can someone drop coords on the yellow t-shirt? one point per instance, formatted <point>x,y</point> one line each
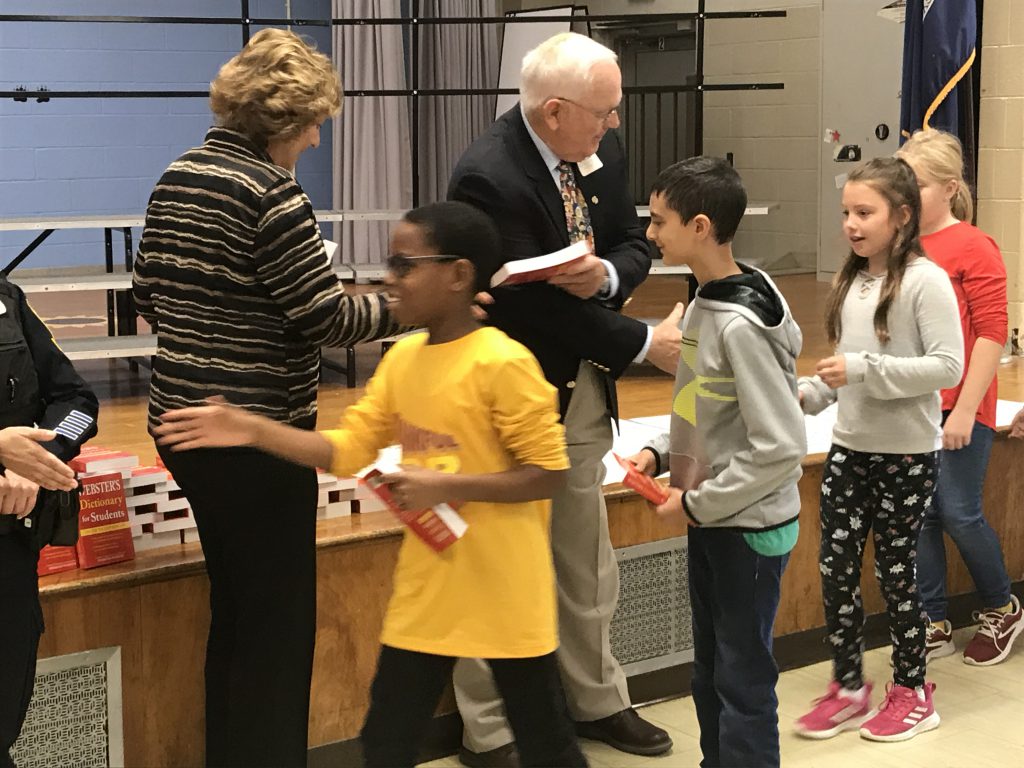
<point>475,405</point>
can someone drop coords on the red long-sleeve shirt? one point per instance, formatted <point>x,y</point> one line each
<point>975,267</point>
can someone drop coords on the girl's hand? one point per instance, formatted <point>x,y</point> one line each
<point>832,371</point>
<point>1017,425</point>
<point>673,508</point>
<point>217,425</point>
<point>956,433</point>
<point>418,488</point>
<point>643,461</point>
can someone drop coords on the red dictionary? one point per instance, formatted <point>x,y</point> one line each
<point>97,459</point>
<point>439,527</point>
<point>643,484</point>
<point>56,559</point>
<point>105,534</point>
<point>540,267</point>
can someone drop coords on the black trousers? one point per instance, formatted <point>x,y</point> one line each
<point>256,516</point>
<point>21,624</point>
<point>408,685</point>
<point>886,496</point>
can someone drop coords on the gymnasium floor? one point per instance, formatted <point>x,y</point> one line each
<point>644,391</point>
<point>980,710</point>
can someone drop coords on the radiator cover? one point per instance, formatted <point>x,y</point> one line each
<point>75,715</point>
<point>651,627</point>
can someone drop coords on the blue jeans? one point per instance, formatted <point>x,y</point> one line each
<point>734,594</point>
<point>956,509</point>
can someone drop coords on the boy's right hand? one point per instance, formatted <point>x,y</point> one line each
<point>643,461</point>
<point>217,425</point>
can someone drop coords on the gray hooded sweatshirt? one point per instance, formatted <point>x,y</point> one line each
<point>737,434</point>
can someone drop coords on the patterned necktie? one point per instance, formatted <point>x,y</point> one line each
<point>577,217</point>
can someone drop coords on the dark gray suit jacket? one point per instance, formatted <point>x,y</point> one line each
<point>503,174</point>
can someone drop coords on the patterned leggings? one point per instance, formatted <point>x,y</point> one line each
<point>887,494</point>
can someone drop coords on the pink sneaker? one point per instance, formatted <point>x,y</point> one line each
<point>904,713</point>
<point>994,639</point>
<point>837,711</point>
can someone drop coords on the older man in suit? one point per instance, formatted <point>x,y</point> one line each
<point>550,173</point>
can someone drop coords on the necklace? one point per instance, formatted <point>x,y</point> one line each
<point>867,282</point>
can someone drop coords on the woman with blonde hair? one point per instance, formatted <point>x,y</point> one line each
<point>232,272</point>
<point>976,269</point>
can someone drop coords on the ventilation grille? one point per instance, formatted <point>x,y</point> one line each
<point>651,627</point>
<point>75,715</point>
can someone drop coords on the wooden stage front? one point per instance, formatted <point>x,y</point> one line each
<point>156,608</point>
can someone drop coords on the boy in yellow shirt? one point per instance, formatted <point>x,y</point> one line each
<point>478,425</point>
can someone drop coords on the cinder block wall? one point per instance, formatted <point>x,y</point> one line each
<point>103,156</point>
<point>773,135</point>
<point>1001,141</point>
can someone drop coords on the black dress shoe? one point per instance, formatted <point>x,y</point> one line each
<point>627,732</point>
<point>502,757</point>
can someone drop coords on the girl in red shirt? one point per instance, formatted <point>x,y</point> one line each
<point>976,269</point>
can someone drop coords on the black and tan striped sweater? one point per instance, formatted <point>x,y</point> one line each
<point>232,269</point>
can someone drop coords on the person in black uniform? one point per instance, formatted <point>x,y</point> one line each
<point>38,386</point>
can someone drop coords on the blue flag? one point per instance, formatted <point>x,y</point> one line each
<point>938,51</point>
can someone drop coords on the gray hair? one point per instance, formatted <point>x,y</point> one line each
<point>561,64</point>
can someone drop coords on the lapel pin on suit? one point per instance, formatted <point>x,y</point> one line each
<point>594,199</point>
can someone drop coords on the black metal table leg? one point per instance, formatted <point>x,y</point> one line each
<point>108,244</point>
<point>129,316</point>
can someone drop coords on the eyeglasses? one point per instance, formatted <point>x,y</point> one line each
<point>604,115</point>
<point>401,264</point>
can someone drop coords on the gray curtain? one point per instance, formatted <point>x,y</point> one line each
<point>373,138</point>
<point>454,56</point>
<point>373,169</point>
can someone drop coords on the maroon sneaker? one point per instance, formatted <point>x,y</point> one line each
<point>939,642</point>
<point>995,636</point>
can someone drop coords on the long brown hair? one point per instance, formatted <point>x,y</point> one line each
<point>894,180</point>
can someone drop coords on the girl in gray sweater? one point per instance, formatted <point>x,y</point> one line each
<point>892,317</point>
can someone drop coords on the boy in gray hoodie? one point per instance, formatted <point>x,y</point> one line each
<point>734,450</point>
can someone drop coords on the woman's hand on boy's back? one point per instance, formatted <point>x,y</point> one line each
<point>832,371</point>
<point>216,425</point>
<point>480,301</point>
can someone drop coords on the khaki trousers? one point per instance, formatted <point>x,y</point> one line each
<point>588,586</point>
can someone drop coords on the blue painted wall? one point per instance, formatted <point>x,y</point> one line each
<point>97,156</point>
